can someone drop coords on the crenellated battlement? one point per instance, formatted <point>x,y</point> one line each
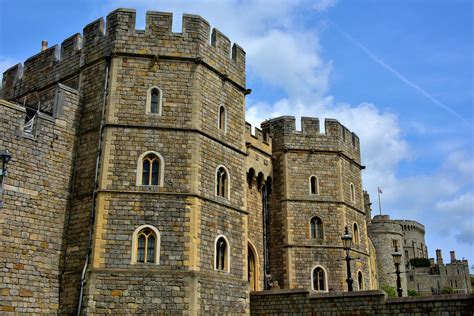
<point>259,140</point>
<point>336,137</point>
<point>410,225</point>
<point>118,35</point>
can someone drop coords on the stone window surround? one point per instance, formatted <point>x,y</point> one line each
<point>359,287</point>
<point>224,128</point>
<point>227,254</point>
<point>326,288</point>
<point>356,233</point>
<point>148,101</point>
<point>135,244</point>
<point>140,169</point>
<point>317,185</point>
<point>227,189</point>
<point>352,191</point>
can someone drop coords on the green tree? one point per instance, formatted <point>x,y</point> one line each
<point>413,293</point>
<point>390,290</point>
<point>448,290</point>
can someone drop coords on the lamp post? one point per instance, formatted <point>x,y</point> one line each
<point>346,244</point>
<point>397,260</point>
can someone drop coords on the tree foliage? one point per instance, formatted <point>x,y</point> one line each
<point>420,262</point>
<point>390,290</point>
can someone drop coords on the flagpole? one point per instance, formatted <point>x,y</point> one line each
<point>380,205</point>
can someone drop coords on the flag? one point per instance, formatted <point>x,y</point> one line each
<point>380,190</point>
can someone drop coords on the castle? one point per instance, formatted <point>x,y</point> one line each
<point>136,186</point>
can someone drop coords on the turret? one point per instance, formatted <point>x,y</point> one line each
<point>367,206</point>
<point>453,256</point>
<point>336,137</point>
<point>119,37</point>
<point>439,257</point>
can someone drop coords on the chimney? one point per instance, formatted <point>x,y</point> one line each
<point>453,256</point>
<point>439,257</point>
<point>44,45</point>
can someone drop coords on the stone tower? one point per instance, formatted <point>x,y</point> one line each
<point>317,191</point>
<point>162,116</point>
<point>387,237</point>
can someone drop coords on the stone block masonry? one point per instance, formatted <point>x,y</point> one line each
<point>36,195</point>
<point>302,302</point>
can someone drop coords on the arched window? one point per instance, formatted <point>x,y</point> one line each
<point>150,169</point>
<point>313,185</point>
<point>222,119</point>
<point>221,254</point>
<point>146,245</point>
<point>153,100</point>
<point>222,182</point>
<point>318,276</point>
<point>356,234</point>
<point>353,196</point>
<point>360,281</point>
<point>316,228</point>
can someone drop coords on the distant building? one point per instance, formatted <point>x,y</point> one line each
<point>426,277</point>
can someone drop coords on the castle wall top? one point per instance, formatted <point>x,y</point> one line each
<point>260,140</point>
<point>119,36</point>
<point>382,224</point>
<point>411,225</point>
<point>336,137</point>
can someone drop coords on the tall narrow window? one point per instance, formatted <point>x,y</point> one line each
<point>316,228</point>
<point>353,197</point>
<point>151,170</point>
<point>222,118</point>
<point>146,246</point>
<point>154,100</point>
<point>360,280</point>
<point>155,95</point>
<point>395,245</point>
<point>356,234</point>
<point>319,279</point>
<point>222,182</point>
<point>314,185</point>
<point>221,254</point>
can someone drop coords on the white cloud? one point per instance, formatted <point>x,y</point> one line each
<point>324,4</point>
<point>289,61</point>
<point>462,205</point>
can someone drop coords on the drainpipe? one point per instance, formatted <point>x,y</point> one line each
<point>266,280</point>
<point>96,187</point>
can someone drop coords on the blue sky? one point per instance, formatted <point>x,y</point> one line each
<point>398,73</point>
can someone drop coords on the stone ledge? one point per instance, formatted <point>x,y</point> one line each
<point>433,298</point>
<point>280,292</point>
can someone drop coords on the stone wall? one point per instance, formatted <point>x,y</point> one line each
<point>36,196</point>
<point>302,302</point>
